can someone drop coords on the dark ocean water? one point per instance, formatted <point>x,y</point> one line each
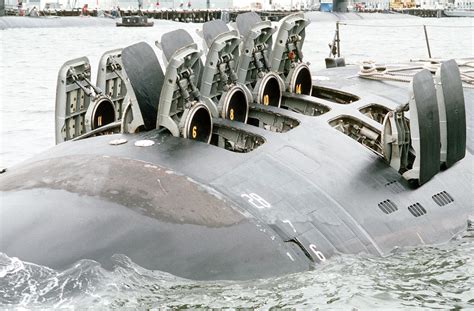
<point>427,277</point>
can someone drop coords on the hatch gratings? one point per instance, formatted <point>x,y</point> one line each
<point>417,209</point>
<point>395,186</point>
<point>388,207</point>
<point>443,198</point>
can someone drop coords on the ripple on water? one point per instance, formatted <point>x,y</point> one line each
<point>429,277</point>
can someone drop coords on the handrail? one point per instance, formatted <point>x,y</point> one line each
<point>335,46</point>
<point>402,26</point>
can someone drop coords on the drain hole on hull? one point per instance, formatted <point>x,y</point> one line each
<point>388,207</point>
<point>335,96</point>
<point>417,210</point>
<point>375,112</point>
<point>443,198</point>
<point>234,139</point>
<point>395,186</point>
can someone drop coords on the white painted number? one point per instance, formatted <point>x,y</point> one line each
<point>256,200</point>
<point>317,253</point>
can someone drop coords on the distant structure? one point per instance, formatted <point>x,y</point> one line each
<point>464,4</point>
<point>169,4</point>
<point>123,4</point>
<point>340,5</point>
<point>314,5</point>
<point>401,4</point>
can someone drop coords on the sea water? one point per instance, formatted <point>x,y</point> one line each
<point>415,278</point>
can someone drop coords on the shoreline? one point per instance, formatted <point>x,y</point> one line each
<point>13,22</point>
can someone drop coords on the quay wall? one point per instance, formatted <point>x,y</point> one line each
<point>68,19</point>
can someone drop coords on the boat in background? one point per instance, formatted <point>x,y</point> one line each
<point>135,21</point>
<point>459,13</point>
<point>459,9</point>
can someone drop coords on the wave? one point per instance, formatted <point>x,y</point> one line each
<point>24,284</point>
<point>426,277</point>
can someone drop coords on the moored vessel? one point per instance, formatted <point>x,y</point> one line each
<point>135,21</point>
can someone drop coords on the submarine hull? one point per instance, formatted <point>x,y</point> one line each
<point>203,212</point>
<point>59,210</point>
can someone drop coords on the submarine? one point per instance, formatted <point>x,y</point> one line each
<point>236,161</point>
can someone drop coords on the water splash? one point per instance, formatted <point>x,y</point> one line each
<point>427,277</point>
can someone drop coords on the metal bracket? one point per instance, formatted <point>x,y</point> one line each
<point>72,99</point>
<point>219,79</point>
<point>181,108</point>
<point>111,79</point>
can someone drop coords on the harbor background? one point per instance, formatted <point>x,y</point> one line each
<point>51,6</point>
<point>428,277</point>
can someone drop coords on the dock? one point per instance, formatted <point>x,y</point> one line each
<point>185,16</point>
<point>420,12</point>
<point>205,15</point>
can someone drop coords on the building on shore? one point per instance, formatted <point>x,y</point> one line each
<point>166,4</point>
<point>402,4</point>
<point>372,4</point>
<point>463,4</point>
<point>11,4</point>
<point>433,4</point>
<point>323,5</point>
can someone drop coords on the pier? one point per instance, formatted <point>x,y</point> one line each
<point>205,15</point>
<point>421,12</point>
<point>186,16</point>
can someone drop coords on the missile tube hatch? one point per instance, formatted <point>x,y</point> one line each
<point>219,79</point>
<point>181,109</point>
<point>80,106</point>
<point>110,78</point>
<point>254,68</point>
<point>287,55</point>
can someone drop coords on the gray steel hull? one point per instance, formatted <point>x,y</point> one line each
<point>202,212</point>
